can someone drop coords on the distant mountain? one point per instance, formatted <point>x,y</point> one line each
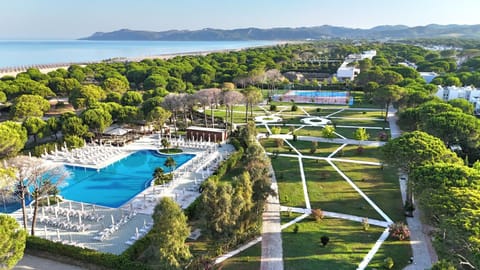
<point>301,33</point>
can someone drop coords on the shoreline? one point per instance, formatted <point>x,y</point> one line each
<point>45,68</point>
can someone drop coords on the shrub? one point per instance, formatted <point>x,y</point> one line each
<point>294,137</point>
<point>296,228</point>
<point>360,150</point>
<point>443,265</point>
<point>273,108</point>
<point>40,149</point>
<point>399,230</point>
<point>236,143</point>
<point>388,263</point>
<point>294,108</point>
<point>317,214</point>
<point>84,255</point>
<point>365,224</point>
<point>279,142</point>
<point>276,130</point>
<point>74,141</point>
<point>324,239</point>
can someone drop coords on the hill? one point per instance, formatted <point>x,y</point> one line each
<point>301,33</point>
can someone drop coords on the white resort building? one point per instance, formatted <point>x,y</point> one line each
<point>347,70</point>
<point>466,92</point>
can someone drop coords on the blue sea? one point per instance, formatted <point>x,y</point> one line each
<point>27,53</point>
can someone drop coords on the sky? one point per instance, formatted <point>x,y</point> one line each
<point>72,19</point>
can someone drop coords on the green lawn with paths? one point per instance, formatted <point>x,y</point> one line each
<point>323,149</point>
<point>245,260</point>
<point>287,173</point>
<point>369,153</point>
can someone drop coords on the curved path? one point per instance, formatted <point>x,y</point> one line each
<point>423,252</point>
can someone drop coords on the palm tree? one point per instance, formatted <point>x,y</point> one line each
<point>165,143</point>
<point>170,163</point>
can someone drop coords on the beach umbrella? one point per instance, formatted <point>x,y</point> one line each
<point>48,200</point>
<point>145,200</point>
<point>70,237</point>
<point>45,231</point>
<point>56,212</point>
<point>68,216</point>
<point>79,219</point>
<point>43,212</point>
<point>113,219</point>
<point>70,205</point>
<point>137,235</point>
<point>93,205</point>
<point>81,205</point>
<point>58,235</point>
<point>144,223</point>
<point>131,207</point>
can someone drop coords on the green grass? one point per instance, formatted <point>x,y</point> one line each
<point>284,129</point>
<point>399,251</point>
<point>359,122</point>
<point>349,243</point>
<point>245,260</point>
<point>323,149</point>
<point>369,153</point>
<point>361,114</point>
<point>330,192</point>
<point>170,151</point>
<point>270,145</point>
<point>310,131</point>
<point>287,173</point>
<point>349,133</point>
<point>381,186</point>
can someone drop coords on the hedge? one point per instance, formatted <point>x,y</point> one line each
<point>88,256</point>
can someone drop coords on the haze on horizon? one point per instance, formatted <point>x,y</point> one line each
<point>69,19</point>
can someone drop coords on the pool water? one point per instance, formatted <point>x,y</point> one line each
<point>117,183</point>
<point>318,93</point>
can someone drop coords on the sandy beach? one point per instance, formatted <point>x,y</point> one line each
<point>45,68</point>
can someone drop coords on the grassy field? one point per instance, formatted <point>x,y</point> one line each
<point>380,185</point>
<point>349,133</point>
<point>359,122</point>
<point>330,192</point>
<point>369,153</point>
<point>271,146</point>
<point>310,131</point>
<point>323,149</point>
<point>348,244</point>
<point>245,260</point>
<point>361,114</point>
<point>289,182</point>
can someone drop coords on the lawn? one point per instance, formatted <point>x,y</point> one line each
<point>328,191</point>
<point>310,131</point>
<point>290,190</point>
<point>369,153</point>
<point>399,251</point>
<point>349,133</point>
<point>284,129</point>
<point>270,145</point>
<point>323,149</point>
<point>380,185</point>
<point>245,260</point>
<point>361,114</point>
<point>348,244</point>
<point>358,122</point>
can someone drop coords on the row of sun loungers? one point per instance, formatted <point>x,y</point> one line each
<point>62,224</point>
<point>74,213</point>
<point>139,233</point>
<point>107,232</point>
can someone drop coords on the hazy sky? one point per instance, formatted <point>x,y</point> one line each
<point>70,19</point>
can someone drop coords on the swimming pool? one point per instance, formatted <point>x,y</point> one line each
<point>117,183</point>
<point>318,93</point>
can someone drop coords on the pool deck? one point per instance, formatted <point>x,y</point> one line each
<point>121,226</point>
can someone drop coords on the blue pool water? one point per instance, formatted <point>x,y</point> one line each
<point>318,93</point>
<point>116,184</point>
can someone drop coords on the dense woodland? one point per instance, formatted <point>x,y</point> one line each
<point>446,183</point>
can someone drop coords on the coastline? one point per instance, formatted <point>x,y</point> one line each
<point>45,68</point>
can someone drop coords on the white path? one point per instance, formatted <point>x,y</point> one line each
<point>423,252</point>
<point>272,248</point>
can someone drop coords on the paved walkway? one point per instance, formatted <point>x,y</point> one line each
<point>423,252</point>
<point>272,248</point>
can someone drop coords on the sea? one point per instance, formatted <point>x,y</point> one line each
<point>23,53</point>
